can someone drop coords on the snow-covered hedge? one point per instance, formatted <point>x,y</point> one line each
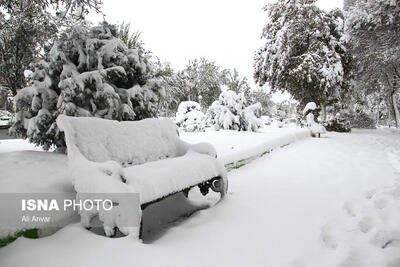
<point>229,112</point>
<point>90,72</point>
<point>189,117</point>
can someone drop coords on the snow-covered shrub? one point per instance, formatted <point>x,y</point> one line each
<point>89,72</point>
<point>338,125</point>
<point>230,113</point>
<point>224,112</point>
<point>250,118</point>
<point>189,117</point>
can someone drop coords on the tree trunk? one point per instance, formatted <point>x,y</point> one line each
<point>395,110</point>
<point>378,113</point>
<point>323,110</point>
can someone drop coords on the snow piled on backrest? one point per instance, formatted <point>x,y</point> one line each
<point>128,142</point>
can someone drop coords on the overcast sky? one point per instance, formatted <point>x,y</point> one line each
<point>225,31</point>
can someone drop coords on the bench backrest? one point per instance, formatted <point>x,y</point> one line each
<point>128,142</point>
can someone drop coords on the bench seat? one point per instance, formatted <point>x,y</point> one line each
<point>157,179</point>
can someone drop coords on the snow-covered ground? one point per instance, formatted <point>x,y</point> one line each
<point>34,172</point>
<point>333,201</point>
<point>12,145</point>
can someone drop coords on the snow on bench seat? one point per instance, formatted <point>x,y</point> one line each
<point>157,178</point>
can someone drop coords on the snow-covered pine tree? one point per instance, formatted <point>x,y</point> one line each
<point>250,118</point>
<point>229,112</point>
<point>189,117</point>
<point>90,72</point>
<point>28,29</point>
<point>304,52</point>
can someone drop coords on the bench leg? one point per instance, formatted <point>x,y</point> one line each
<point>219,186</point>
<point>141,229</point>
<point>186,192</point>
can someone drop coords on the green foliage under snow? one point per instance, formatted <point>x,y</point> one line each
<point>90,72</point>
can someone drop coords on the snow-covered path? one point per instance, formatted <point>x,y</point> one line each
<point>332,201</point>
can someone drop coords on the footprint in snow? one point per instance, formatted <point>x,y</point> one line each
<point>394,263</point>
<point>366,224</point>
<point>381,203</point>
<point>327,237</point>
<point>394,192</point>
<point>296,263</point>
<point>370,194</point>
<point>355,258</point>
<point>350,208</point>
<point>384,239</point>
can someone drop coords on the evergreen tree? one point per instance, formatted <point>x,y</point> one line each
<point>304,52</point>
<point>27,29</point>
<point>132,40</point>
<point>89,72</point>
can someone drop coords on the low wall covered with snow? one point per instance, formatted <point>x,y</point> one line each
<point>235,148</point>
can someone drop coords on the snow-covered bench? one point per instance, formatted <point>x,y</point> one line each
<point>145,157</point>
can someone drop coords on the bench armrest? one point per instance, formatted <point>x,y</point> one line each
<point>104,179</point>
<point>203,148</point>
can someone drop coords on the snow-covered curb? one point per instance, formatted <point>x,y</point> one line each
<point>267,146</point>
<point>236,148</point>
